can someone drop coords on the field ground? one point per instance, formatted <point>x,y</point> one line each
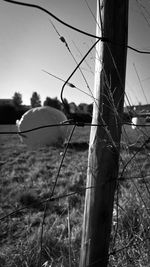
<point>27,178</point>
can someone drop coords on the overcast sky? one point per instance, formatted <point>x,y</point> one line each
<point>29,43</point>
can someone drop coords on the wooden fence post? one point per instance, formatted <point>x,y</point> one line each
<point>105,140</point>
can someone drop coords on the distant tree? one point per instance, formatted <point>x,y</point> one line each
<point>17,99</point>
<point>90,108</point>
<point>21,111</point>
<point>73,107</point>
<point>35,100</point>
<point>66,107</point>
<point>8,114</point>
<point>80,117</point>
<point>82,107</point>
<point>52,102</point>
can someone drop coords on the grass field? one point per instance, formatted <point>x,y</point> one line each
<point>27,178</point>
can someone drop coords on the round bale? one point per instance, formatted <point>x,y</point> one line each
<point>42,116</point>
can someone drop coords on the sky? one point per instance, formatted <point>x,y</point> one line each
<point>29,44</point>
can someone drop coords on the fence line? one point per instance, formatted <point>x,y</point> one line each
<point>69,123</point>
<point>120,237</point>
<point>53,198</point>
<point>103,39</point>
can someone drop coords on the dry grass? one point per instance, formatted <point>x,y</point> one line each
<point>27,178</point>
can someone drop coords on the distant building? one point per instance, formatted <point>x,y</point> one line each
<point>142,108</point>
<point>138,112</point>
<point>138,108</point>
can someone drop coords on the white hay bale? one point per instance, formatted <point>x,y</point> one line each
<point>137,122</point>
<point>42,116</point>
<point>134,122</point>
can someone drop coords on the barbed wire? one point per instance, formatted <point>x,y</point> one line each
<point>68,84</point>
<point>55,198</point>
<point>53,190</point>
<point>103,39</point>
<point>134,155</point>
<point>69,123</point>
<point>58,197</point>
<point>56,18</point>
<point>62,39</point>
<point>50,199</point>
<point>73,72</point>
<point>121,177</point>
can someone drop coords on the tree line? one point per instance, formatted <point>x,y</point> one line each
<point>12,111</point>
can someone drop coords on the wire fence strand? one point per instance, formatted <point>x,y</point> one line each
<point>130,237</point>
